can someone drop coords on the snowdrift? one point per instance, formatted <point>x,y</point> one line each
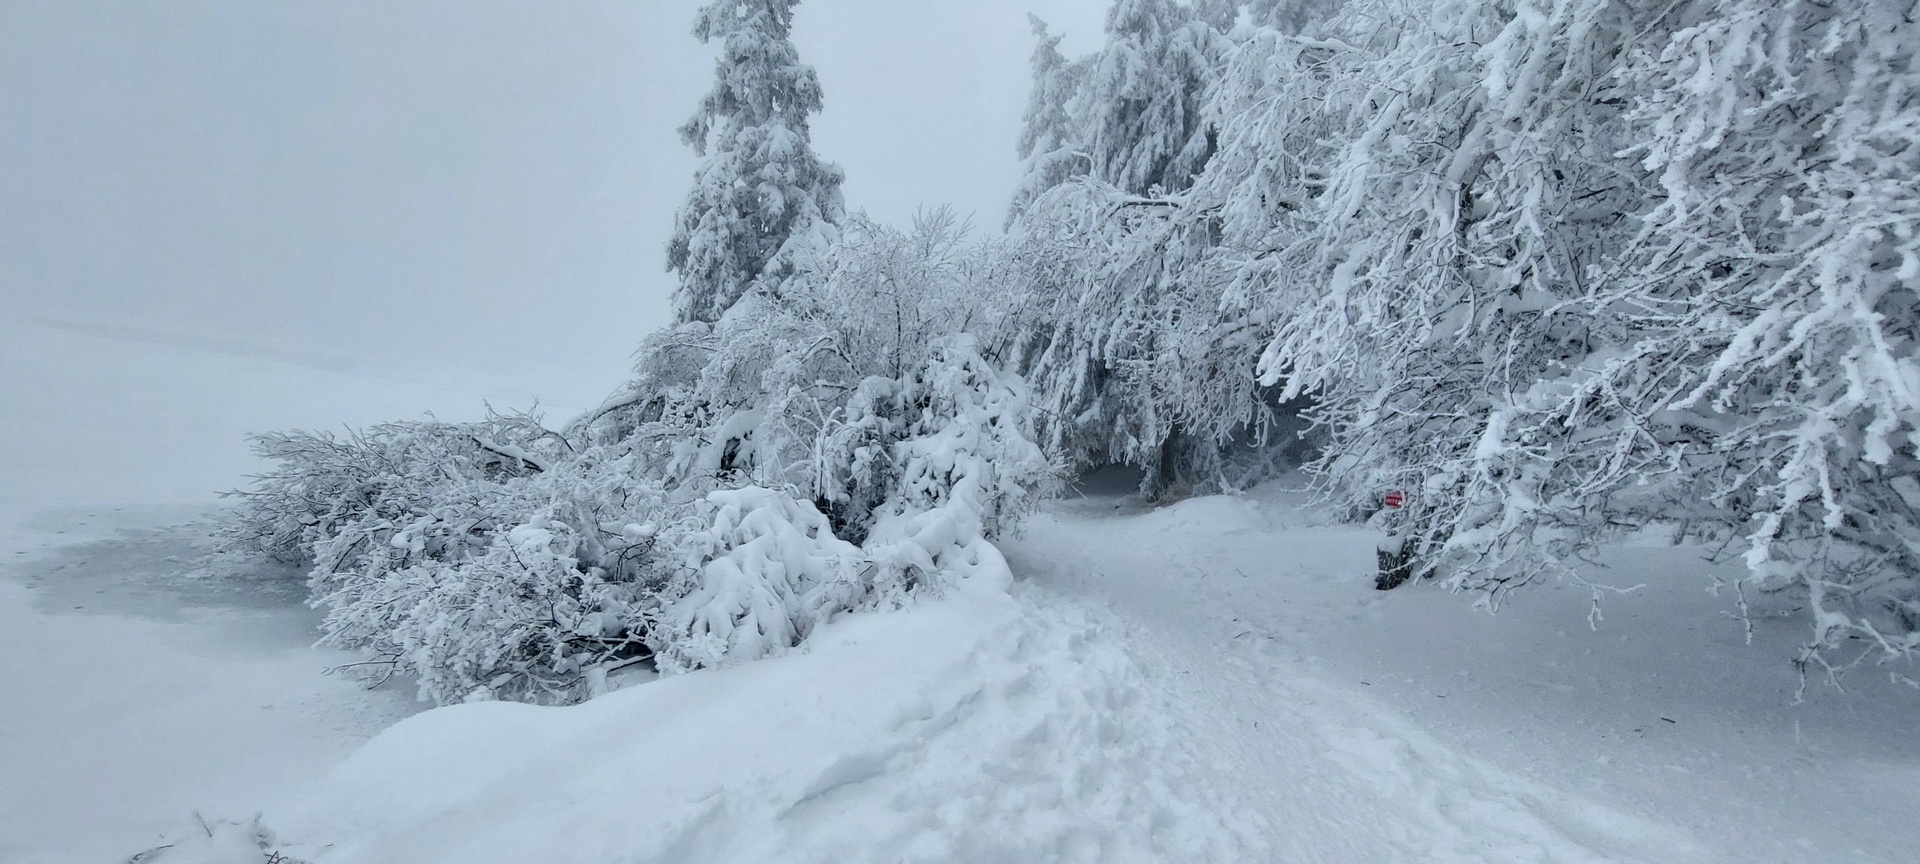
<point>972,728</point>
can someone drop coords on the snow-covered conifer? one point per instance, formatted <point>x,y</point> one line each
<point>1146,128</point>
<point>1126,348</point>
<point>1291,17</point>
<point>754,581</point>
<point>762,202</point>
<point>1050,137</point>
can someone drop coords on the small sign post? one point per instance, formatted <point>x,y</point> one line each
<point>1396,560</point>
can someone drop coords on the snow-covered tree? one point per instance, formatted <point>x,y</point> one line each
<point>967,468</point>
<point>1291,17</point>
<point>1145,127</point>
<point>1130,355</point>
<point>484,558</point>
<point>1564,268</point>
<point>1784,257</point>
<point>1050,145</point>
<point>1131,115</point>
<point>1468,192</point>
<point>762,202</point>
<point>1125,343</point>
<point>1555,270</point>
<point>847,450</point>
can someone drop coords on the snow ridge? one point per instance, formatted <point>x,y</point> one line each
<point>977,727</point>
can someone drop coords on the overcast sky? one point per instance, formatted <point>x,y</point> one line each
<point>466,186</point>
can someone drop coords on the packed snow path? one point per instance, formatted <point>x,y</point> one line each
<point>1329,776</point>
<point>1368,726</point>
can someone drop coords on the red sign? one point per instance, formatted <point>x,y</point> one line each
<point>1394,499</point>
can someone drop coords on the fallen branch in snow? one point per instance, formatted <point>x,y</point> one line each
<point>526,460</point>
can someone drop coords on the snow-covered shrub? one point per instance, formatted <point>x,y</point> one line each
<point>478,557</point>
<point>845,447</point>
<point>525,619</point>
<point>522,590</point>
<point>968,468</point>
<point>967,443</point>
<point>805,388</point>
<point>217,841</point>
<point>321,482</point>
<point>959,469</point>
<point>922,472</point>
<point>669,366</point>
<point>823,422</point>
<point>764,573</point>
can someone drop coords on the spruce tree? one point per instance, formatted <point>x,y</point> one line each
<point>761,199</point>
<point>1146,96</point>
<point>1050,136</point>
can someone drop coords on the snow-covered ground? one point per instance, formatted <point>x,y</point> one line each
<point>135,690</point>
<point>1212,681</point>
<point>1209,681</point>
<point>1410,726</point>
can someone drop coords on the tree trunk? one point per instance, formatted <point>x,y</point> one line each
<point>1396,563</point>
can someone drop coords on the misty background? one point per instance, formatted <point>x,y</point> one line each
<point>473,191</point>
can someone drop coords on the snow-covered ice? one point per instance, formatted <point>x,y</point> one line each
<point>137,690</point>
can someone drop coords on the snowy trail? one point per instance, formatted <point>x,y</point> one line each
<point>1337,776</point>
<point>981,727</point>
<point>1161,686</point>
<point>1369,727</point>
